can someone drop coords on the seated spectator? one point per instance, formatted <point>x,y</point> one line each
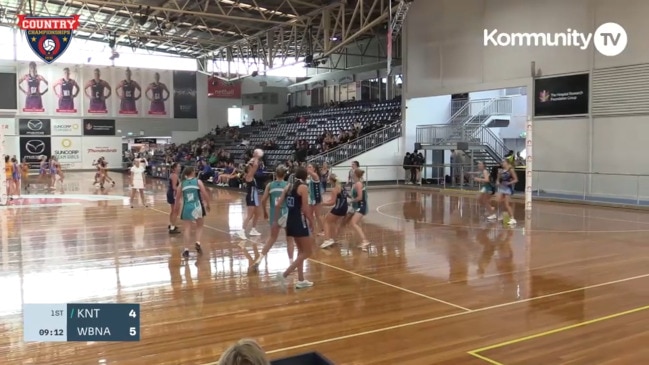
<point>227,174</point>
<point>205,171</point>
<point>244,352</point>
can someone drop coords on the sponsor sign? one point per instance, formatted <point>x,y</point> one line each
<point>110,148</point>
<point>98,127</point>
<point>34,127</point>
<point>67,150</point>
<point>563,95</point>
<point>66,127</point>
<point>33,148</point>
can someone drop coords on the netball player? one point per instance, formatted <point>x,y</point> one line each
<point>43,169</point>
<point>332,223</point>
<point>315,194</point>
<point>486,190</point>
<point>15,176</point>
<point>172,191</point>
<point>298,220</point>
<point>324,175</point>
<point>24,172</point>
<point>54,178</point>
<point>350,177</point>
<point>252,196</point>
<point>273,193</point>
<point>128,91</point>
<point>34,98</point>
<point>157,93</point>
<point>507,179</point>
<point>137,180</point>
<point>193,205</point>
<point>66,89</point>
<point>359,206</point>
<point>9,176</point>
<point>97,90</point>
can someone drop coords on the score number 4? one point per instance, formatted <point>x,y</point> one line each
<point>132,331</point>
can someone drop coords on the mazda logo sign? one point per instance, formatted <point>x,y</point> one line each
<point>35,147</point>
<point>35,125</point>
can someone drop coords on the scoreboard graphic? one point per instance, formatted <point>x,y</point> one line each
<point>81,322</point>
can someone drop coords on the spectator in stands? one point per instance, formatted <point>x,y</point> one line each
<point>227,174</point>
<point>244,352</point>
<point>205,171</point>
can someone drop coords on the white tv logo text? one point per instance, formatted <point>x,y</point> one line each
<point>610,39</point>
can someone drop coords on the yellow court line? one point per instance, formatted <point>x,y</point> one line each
<point>476,352</point>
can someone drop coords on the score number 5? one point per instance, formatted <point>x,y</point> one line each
<point>132,331</point>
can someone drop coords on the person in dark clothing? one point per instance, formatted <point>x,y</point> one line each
<point>407,162</point>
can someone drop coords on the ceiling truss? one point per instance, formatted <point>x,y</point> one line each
<point>266,33</point>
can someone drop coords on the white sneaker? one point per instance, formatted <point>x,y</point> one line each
<point>327,243</point>
<point>303,284</point>
<point>254,232</point>
<point>241,235</point>
<point>512,222</point>
<point>492,217</point>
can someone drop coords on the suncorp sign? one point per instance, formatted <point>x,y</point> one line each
<point>610,39</point>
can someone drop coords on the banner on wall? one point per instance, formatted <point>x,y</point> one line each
<point>221,89</point>
<point>185,95</point>
<point>562,95</point>
<point>110,148</point>
<point>66,127</point>
<point>33,91</point>
<point>157,92</point>
<point>33,148</point>
<point>128,91</point>
<point>8,126</point>
<point>97,90</point>
<point>67,150</point>
<point>66,90</point>
<point>99,127</point>
<point>34,127</point>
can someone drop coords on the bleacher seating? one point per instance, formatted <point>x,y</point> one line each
<point>286,128</point>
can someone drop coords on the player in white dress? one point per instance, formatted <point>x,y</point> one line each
<point>137,180</point>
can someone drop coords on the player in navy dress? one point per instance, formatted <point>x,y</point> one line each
<point>338,202</point>
<point>253,206</point>
<point>34,95</point>
<point>172,190</point>
<point>98,90</point>
<point>66,89</point>
<point>157,93</point>
<point>507,179</point>
<point>359,206</point>
<point>129,91</point>
<point>298,220</point>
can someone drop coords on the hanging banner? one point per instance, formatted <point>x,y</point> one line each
<point>185,100</point>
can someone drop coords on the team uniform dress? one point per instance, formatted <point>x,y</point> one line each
<point>341,207</point>
<point>43,168</point>
<point>488,187</point>
<point>504,189</point>
<point>97,99</point>
<point>9,170</point>
<point>34,100</point>
<point>127,104</point>
<point>275,191</point>
<point>296,223</point>
<point>16,173</point>
<point>315,194</point>
<point>66,102</point>
<point>138,177</point>
<point>361,205</point>
<point>252,194</point>
<point>157,104</point>
<point>171,197</point>
<point>192,205</point>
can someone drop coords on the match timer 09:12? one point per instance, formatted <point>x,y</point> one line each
<point>81,322</point>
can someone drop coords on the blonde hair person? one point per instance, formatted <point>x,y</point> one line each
<point>244,352</point>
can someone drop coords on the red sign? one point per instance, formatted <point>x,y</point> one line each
<point>217,88</point>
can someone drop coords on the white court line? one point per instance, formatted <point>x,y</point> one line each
<point>434,319</point>
<point>30,206</point>
<point>451,226</point>
<point>350,272</point>
<point>391,285</point>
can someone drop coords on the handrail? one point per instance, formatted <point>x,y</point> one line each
<point>345,147</point>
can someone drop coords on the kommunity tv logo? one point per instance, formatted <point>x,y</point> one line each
<point>610,39</point>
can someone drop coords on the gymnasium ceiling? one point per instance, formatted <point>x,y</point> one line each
<point>218,29</point>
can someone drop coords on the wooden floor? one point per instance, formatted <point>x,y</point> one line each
<point>438,286</point>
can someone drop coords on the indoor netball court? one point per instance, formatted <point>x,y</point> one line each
<point>438,286</point>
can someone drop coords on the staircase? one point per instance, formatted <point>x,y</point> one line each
<point>358,146</point>
<point>470,123</point>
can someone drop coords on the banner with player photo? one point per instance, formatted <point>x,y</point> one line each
<point>34,89</point>
<point>68,151</point>
<point>98,91</point>
<point>66,94</point>
<point>32,149</point>
<point>157,86</point>
<point>128,92</point>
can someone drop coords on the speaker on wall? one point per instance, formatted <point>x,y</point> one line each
<point>463,146</point>
<point>417,146</point>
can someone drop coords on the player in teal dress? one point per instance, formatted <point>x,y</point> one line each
<point>315,195</point>
<point>194,205</point>
<point>359,206</point>
<point>487,189</point>
<point>277,216</point>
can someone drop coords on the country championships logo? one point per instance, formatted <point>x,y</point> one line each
<point>35,147</point>
<point>48,37</point>
<point>610,39</point>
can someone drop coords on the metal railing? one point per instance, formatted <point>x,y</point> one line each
<point>481,110</point>
<point>571,186</point>
<point>448,135</point>
<point>360,145</point>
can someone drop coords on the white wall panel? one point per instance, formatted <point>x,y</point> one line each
<point>561,145</point>
<point>422,111</point>
<point>632,15</point>
<point>380,164</point>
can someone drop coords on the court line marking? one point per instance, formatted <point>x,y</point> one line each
<point>434,319</point>
<point>476,353</point>
<point>391,285</point>
<point>452,226</point>
<point>352,273</point>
